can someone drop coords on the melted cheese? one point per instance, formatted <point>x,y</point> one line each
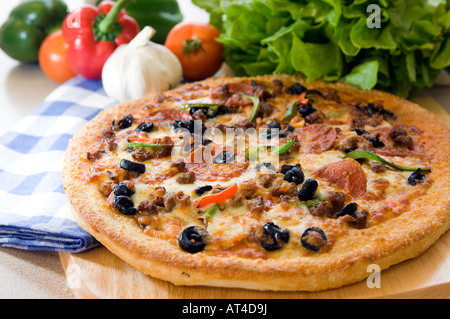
<point>231,226</point>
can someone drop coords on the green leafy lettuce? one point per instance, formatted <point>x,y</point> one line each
<point>332,40</point>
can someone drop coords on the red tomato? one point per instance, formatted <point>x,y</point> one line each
<point>196,47</point>
<point>52,58</point>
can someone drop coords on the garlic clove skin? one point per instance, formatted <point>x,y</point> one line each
<point>140,68</point>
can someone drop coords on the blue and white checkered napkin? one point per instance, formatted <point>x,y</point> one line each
<point>34,212</point>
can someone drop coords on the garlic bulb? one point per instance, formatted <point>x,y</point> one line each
<point>140,68</point>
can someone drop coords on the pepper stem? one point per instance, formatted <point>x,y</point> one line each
<point>192,45</point>
<point>108,22</point>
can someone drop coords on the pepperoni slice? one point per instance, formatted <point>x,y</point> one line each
<point>216,172</point>
<point>201,164</point>
<point>346,174</point>
<point>316,138</point>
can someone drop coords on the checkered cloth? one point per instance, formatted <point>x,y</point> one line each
<point>34,213</point>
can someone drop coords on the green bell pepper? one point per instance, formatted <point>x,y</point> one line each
<point>28,25</point>
<point>161,15</point>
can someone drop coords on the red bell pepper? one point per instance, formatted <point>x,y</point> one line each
<point>218,197</point>
<point>302,100</point>
<point>94,33</point>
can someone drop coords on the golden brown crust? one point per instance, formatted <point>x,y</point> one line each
<point>384,244</point>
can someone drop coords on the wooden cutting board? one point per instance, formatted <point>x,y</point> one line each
<point>100,274</point>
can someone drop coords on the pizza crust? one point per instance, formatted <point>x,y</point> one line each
<point>385,244</point>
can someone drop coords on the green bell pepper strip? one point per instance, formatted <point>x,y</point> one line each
<point>369,155</point>
<point>312,202</point>
<point>210,212</point>
<point>161,15</point>
<point>143,145</point>
<point>256,105</point>
<point>291,111</point>
<point>252,153</point>
<point>189,106</point>
<point>280,150</point>
<point>28,25</point>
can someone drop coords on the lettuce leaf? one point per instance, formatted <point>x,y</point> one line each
<point>363,75</point>
<point>331,40</point>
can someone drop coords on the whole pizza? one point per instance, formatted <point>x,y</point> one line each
<point>268,183</point>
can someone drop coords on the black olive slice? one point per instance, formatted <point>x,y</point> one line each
<point>266,165</point>
<point>371,109</point>
<point>368,110</point>
<point>177,125</point>
<point>221,110</point>
<point>350,209</point>
<point>375,141</point>
<point>194,109</point>
<point>313,238</point>
<point>203,189</point>
<point>273,237</point>
<point>274,129</point>
<point>273,133</point>
<point>388,115</point>
<point>294,175</point>
<point>308,190</point>
<point>268,243</point>
<point>276,231</point>
<point>125,122</point>
<point>125,205</point>
<point>193,239</point>
<point>317,92</point>
<point>132,166</point>
<point>287,167</point>
<point>416,176</point>
<point>145,127</point>
<point>122,189</point>
<point>224,157</point>
<point>360,131</point>
<point>306,109</point>
<point>274,124</point>
<point>192,126</point>
<point>209,112</point>
<point>297,88</point>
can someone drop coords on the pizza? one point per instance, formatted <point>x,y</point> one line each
<point>266,183</point>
